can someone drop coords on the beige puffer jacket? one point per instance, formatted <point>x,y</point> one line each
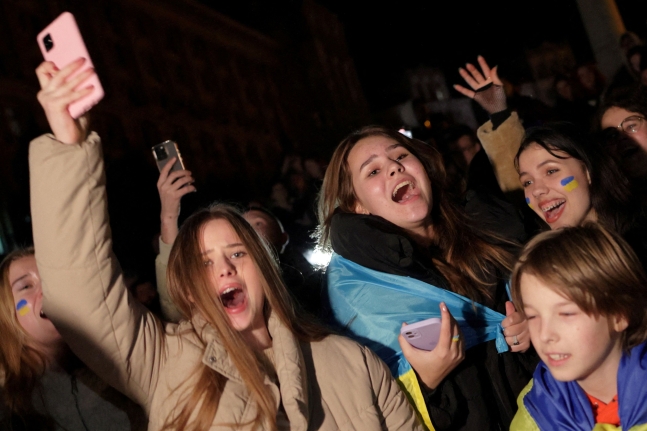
<point>335,384</point>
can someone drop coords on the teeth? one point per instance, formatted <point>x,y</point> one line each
<point>399,186</point>
<point>557,357</point>
<point>553,206</point>
<point>227,290</point>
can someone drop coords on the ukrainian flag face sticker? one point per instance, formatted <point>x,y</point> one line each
<point>569,183</point>
<point>528,203</point>
<point>22,307</point>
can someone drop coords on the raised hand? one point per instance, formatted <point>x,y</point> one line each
<point>485,86</point>
<point>171,187</point>
<point>433,366</point>
<point>56,94</point>
<point>515,329</point>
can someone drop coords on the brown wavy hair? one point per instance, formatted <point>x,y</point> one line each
<point>593,267</point>
<point>469,261</point>
<point>21,363</point>
<point>191,290</point>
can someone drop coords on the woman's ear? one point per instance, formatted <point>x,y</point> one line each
<point>588,176</point>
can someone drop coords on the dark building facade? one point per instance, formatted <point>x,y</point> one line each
<point>234,99</point>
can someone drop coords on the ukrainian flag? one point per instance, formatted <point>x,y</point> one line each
<point>371,306</point>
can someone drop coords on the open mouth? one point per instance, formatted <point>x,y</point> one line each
<point>553,211</point>
<point>402,192</point>
<point>232,297</point>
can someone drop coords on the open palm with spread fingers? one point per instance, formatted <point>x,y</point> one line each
<point>485,86</point>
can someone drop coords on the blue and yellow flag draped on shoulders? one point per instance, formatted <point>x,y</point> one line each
<point>548,404</point>
<point>371,306</point>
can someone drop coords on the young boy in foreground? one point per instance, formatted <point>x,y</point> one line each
<point>584,293</point>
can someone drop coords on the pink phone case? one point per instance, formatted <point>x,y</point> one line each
<point>61,43</point>
<point>422,335</point>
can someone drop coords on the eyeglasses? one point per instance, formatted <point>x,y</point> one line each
<point>631,124</point>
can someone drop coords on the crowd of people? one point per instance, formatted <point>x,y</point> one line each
<point>528,243</point>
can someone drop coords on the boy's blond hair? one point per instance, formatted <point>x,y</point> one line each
<point>594,268</point>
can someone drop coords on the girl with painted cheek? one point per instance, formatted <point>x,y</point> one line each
<point>568,179</point>
<point>556,186</point>
<point>43,382</point>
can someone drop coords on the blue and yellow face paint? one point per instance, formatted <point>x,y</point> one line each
<point>569,183</point>
<point>528,203</point>
<point>22,307</point>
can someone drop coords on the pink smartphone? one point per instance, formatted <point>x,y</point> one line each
<point>61,43</point>
<point>422,335</point>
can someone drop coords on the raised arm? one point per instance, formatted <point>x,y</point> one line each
<point>84,293</point>
<point>502,135</point>
<point>171,187</point>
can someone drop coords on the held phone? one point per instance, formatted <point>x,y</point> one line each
<point>165,151</point>
<point>422,335</point>
<point>61,43</point>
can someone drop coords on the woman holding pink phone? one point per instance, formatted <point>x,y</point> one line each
<point>242,358</point>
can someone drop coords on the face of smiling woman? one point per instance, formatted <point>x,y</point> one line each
<point>390,182</point>
<point>556,189</point>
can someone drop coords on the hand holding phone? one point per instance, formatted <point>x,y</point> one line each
<point>56,94</point>
<point>423,335</point>
<point>166,151</point>
<point>173,183</point>
<point>62,44</point>
<point>433,366</point>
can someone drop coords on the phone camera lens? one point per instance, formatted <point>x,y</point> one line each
<point>160,153</point>
<point>48,42</point>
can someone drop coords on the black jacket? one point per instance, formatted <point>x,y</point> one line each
<point>480,394</point>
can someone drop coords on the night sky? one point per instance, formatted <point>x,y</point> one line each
<point>387,38</point>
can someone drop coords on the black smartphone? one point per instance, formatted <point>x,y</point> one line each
<point>164,152</point>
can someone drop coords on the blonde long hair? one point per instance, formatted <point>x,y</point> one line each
<point>191,290</point>
<point>20,361</point>
<point>468,262</point>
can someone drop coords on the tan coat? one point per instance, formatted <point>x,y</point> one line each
<point>501,146</point>
<point>335,384</point>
